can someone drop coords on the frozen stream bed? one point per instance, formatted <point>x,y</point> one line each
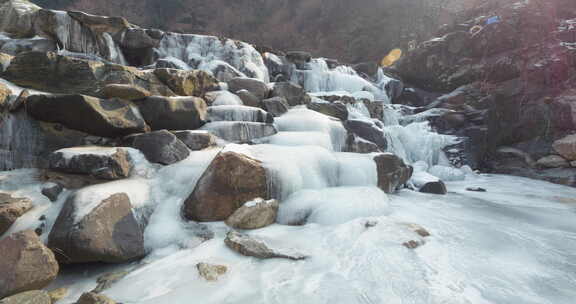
<point>515,243</point>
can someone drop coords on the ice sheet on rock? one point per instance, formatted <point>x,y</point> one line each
<point>169,189</point>
<point>301,119</point>
<point>294,168</point>
<point>236,113</point>
<point>198,51</point>
<point>26,183</point>
<point>333,206</point>
<point>240,131</point>
<point>138,190</point>
<point>300,139</point>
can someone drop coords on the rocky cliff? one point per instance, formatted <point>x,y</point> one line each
<point>507,74</point>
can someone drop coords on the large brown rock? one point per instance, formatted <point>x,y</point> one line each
<point>100,162</point>
<point>254,214</point>
<point>566,147</point>
<point>173,113</point>
<point>101,117</point>
<point>392,172</point>
<point>26,264</point>
<point>196,140</point>
<point>28,297</point>
<point>188,83</point>
<point>11,209</point>
<point>231,180</point>
<point>18,17</point>
<point>56,73</point>
<point>109,232</point>
<point>293,93</point>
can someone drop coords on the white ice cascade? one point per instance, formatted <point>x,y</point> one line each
<point>77,39</point>
<point>210,53</point>
<point>319,77</point>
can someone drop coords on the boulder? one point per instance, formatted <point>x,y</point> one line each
<point>239,113</point>
<point>56,73</point>
<point>173,113</point>
<point>160,147</point>
<point>566,147</point>
<point>196,140</point>
<point>369,69</point>
<point>240,131</point>
<point>11,209</point>
<point>94,298</point>
<point>101,117</point>
<point>293,93</point>
<point>26,264</point>
<point>124,91</point>
<point>257,87</point>
<point>100,162</point>
<point>367,130</point>
<point>93,227</point>
<point>231,180</point>
<point>69,181</point>
<point>434,187</point>
<point>248,98</point>
<point>188,83</point>
<point>249,246</point>
<point>336,109</point>
<point>28,297</point>
<point>392,172</point>
<point>52,191</point>
<point>356,144</point>
<point>275,105</point>
<point>254,214</point>
<point>553,161</point>
<point>299,58</point>
<point>18,17</point>
<point>211,272</point>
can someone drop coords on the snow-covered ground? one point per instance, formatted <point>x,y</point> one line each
<point>515,243</point>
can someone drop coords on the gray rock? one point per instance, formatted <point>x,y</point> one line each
<point>52,191</point>
<point>173,113</point>
<point>293,93</point>
<point>435,187</point>
<point>160,147</point>
<point>248,99</point>
<point>258,88</point>
<point>275,105</point>
<point>249,246</point>
<point>255,214</point>
<point>336,109</point>
<point>196,139</point>
<point>101,162</point>
<point>356,144</point>
<point>368,131</point>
